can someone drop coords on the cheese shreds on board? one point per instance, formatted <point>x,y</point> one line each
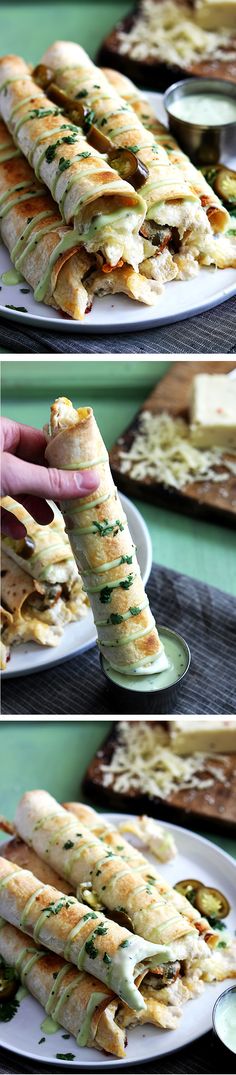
<point>162,451</point>
<point>169,31</point>
<point>143,760</point>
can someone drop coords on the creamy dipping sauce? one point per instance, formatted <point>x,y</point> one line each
<point>205,109</point>
<point>177,657</point>
<point>12,277</point>
<point>225,1019</point>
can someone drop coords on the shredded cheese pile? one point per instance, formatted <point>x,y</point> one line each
<point>168,32</point>
<point>162,451</point>
<point>144,761</point>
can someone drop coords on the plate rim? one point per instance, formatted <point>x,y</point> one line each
<point>7,674</point>
<point>113,1065</point>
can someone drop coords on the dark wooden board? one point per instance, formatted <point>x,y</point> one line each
<point>188,808</point>
<point>204,500</point>
<point>156,75</point>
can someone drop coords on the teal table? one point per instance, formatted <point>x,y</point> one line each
<point>116,391</point>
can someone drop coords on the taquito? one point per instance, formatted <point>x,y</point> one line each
<point>105,210</point>
<point>82,858</point>
<point>24,598</point>
<point>73,1000</point>
<point>45,553</point>
<point>169,198</point>
<point>84,937</point>
<point>76,277</point>
<point>114,839</point>
<point>15,850</point>
<point>102,545</point>
<point>211,247</point>
<point>218,216</point>
<point>33,231</point>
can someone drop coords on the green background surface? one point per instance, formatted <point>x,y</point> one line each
<point>116,391</point>
<point>28,28</point>
<point>54,756</point>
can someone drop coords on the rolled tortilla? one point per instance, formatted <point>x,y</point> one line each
<point>23,597</point>
<point>73,1000</point>
<point>32,229</point>
<point>102,545</point>
<point>84,937</point>
<point>43,823</point>
<point>115,840</point>
<point>104,209</point>
<point>217,215</point>
<point>169,198</point>
<point>15,850</point>
<point>50,560</point>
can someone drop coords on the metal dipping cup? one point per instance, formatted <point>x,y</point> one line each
<point>204,143</point>
<point>224,1050</point>
<point>135,685</point>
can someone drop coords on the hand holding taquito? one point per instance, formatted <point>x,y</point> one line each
<point>104,209</point>
<point>102,545</point>
<point>73,1000</point>
<point>84,937</point>
<point>81,858</point>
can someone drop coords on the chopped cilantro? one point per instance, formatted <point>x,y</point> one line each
<point>124,944</point>
<point>22,309</point>
<point>82,93</point>
<point>41,1041</point>
<point>100,931</point>
<point>88,121</point>
<point>126,559</point>
<point>106,592</point>
<point>103,122</point>
<point>68,845</point>
<point>63,164</point>
<point>66,1036</point>
<point>65,1056</point>
<point>134,610</point>
<point>55,975</point>
<point>115,618</point>
<point>91,914</point>
<point>106,958</point>
<point>8,1009</point>
<point>25,290</point>
<point>41,112</point>
<point>90,949</point>
<point>126,583</point>
<point>107,528</point>
<point>222,944</point>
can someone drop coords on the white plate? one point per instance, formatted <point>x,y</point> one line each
<point>80,636</point>
<point>118,313</point>
<point>196,857</point>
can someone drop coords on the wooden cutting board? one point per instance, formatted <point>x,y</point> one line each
<point>210,808</point>
<point>204,500</point>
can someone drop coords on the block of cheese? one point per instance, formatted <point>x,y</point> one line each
<point>213,411</point>
<point>204,736</point>
<point>215,14</point>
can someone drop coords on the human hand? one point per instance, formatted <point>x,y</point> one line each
<point>25,477</point>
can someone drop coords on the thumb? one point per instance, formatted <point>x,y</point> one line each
<point>19,477</point>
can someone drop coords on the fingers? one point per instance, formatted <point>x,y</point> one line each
<point>20,477</point>
<point>22,440</point>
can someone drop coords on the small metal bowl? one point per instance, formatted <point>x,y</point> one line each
<point>204,143</point>
<point>166,694</point>
<point>224,1049</point>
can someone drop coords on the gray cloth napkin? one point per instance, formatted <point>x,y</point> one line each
<point>210,332</point>
<point>205,616</point>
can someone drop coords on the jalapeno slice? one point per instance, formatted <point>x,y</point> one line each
<point>225,185</point>
<point>188,888</point>
<point>122,159</point>
<point>25,548</point>
<point>211,902</point>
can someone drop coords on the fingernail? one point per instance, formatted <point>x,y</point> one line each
<point>88,481</point>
